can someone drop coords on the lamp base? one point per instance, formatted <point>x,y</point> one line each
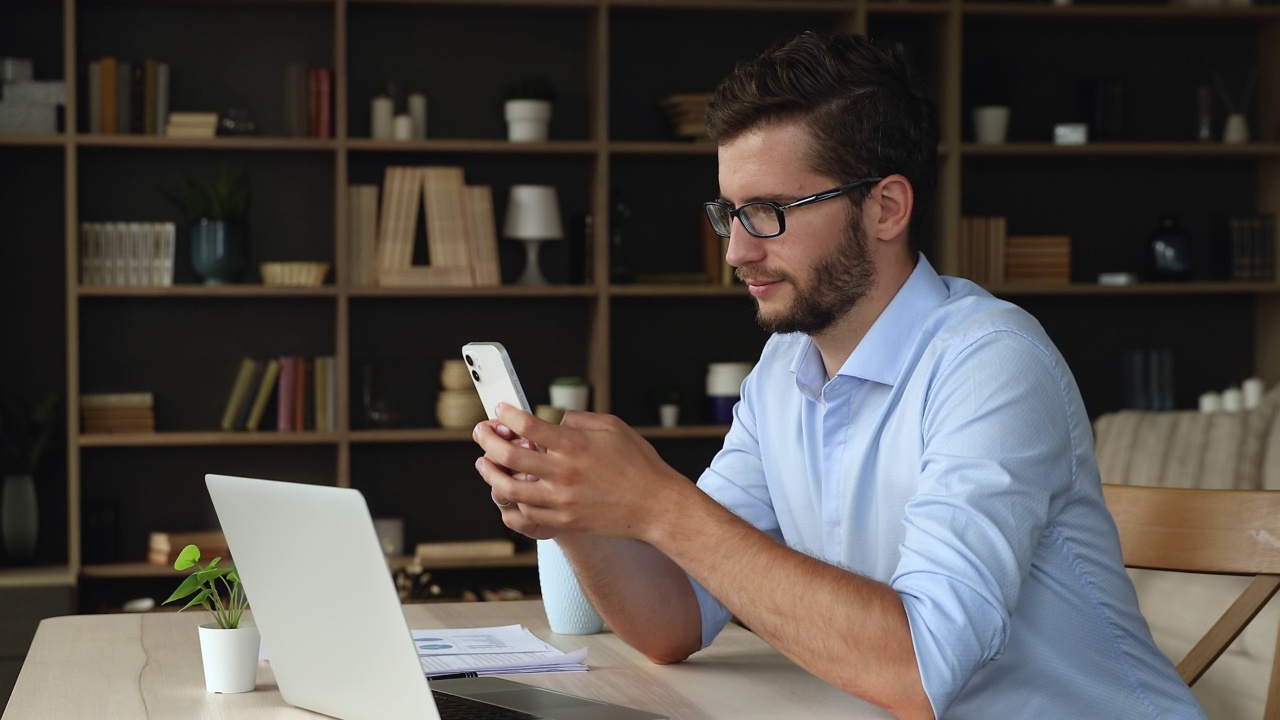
<point>532,274</point>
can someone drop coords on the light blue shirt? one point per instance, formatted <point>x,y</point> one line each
<point>951,458</point>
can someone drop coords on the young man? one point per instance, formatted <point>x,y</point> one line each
<point>907,503</point>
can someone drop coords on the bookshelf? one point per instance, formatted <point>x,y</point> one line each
<point>609,140</point>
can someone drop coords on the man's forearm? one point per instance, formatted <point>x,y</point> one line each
<point>851,631</point>
<point>650,605</point>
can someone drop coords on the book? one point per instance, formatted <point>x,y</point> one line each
<point>240,390</point>
<point>320,107</point>
<point>95,96</point>
<point>162,96</point>
<point>482,235</point>
<point>443,198</point>
<point>266,388</point>
<point>121,399</point>
<point>286,388</point>
<point>163,547</point>
<point>109,70</point>
<point>124,97</point>
<point>449,550</point>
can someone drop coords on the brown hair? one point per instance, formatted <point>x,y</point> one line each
<point>869,113</point>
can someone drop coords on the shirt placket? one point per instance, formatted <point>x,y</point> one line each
<point>834,405</point>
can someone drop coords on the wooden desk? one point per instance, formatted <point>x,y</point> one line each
<point>113,667</point>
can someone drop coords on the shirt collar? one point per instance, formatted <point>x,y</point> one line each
<point>883,351</point>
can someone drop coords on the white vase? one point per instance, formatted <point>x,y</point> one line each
<point>19,516</point>
<point>230,657</point>
<point>569,397</point>
<point>527,120</point>
<point>991,124</point>
<point>1235,129</point>
<point>669,415</point>
<point>568,611</point>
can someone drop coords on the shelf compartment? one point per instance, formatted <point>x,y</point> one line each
<point>502,291</point>
<point>250,143</point>
<point>39,576</point>
<point>1177,150</point>
<point>1171,288</point>
<point>192,290</point>
<point>430,145</point>
<point>1119,11</point>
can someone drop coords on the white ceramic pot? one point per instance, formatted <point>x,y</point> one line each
<point>230,657</point>
<point>669,415</point>
<point>570,397</point>
<point>19,516</point>
<point>991,124</point>
<point>527,120</point>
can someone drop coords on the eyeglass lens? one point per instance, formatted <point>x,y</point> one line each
<point>760,219</point>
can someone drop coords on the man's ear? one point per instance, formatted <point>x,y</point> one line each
<point>893,200</point>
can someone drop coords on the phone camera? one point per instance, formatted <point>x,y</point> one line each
<point>469,360</point>
<point>475,376</point>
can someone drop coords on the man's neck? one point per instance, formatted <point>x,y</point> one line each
<point>838,342</point>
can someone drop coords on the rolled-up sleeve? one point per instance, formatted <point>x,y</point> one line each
<point>746,495</point>
<point>996,458</point>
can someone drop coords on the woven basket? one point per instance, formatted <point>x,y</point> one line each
<point>294,274</point>
<point>459,408</point>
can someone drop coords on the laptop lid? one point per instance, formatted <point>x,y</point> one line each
<point>329,615</point>
<point>323,599</point>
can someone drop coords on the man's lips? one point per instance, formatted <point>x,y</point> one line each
<point>760,286</point>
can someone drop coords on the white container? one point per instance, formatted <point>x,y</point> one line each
<point>568,611</point>
<point>402,127</point>
<point>669,415</point>
<point>381,118</point>
<point>418,111</point>
<point>527,120</point>
<point>570,397</point>
<point>230,657</point>
<point>725,378</point>
<point>1235,129</point>
<point>991,123</point>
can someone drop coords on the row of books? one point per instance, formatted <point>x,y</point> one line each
<point>989,255</point>
<point>126,96</point>
<point>462,243</point>
<point>1253,250</point>
<point>303,391</point>
<point>127,412</point>
<point>163,547</point>
<point>308,101</point>
<point>132,254</point>
<point>687,114</point>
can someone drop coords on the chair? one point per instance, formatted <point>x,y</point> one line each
<point>1226,532</point>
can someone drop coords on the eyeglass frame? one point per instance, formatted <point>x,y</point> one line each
<point>780,210</point>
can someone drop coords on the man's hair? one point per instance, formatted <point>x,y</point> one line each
<point>868,112</point>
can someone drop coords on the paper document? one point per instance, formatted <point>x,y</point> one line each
<point>492,651</point>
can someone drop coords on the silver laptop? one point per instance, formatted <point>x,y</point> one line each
<point>331,621</point>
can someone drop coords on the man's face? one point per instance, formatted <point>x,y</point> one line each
<point>819,269</point>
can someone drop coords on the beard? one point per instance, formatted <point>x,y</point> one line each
<point>837,282</point>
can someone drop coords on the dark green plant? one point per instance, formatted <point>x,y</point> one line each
<point>25,434</point>
<point>203,584</point>
<point>221,197</point>
<point>531,88</point>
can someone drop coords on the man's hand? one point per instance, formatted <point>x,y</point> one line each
<point>594,474</point>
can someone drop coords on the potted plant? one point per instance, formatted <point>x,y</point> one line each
<point>527,109</point>
<point>668,397</point>
<point>228,645</point>
<point>569,393</point>
<point>217,211</point>
<point>25,435</point>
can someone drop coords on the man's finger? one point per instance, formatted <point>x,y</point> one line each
<point>510,455</point>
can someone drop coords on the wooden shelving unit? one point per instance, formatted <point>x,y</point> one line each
<point>609,141</point>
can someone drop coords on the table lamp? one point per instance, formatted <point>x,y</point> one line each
<point>533,215</point>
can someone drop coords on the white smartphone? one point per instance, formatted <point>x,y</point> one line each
<point>494,376</point>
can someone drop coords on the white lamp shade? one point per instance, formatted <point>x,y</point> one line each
<point>533,213</point>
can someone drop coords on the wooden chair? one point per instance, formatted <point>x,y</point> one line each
<point>1225,532</point>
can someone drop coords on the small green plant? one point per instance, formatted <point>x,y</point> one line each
<point>533,88</point>
<point>203,583</point>
<point>25,434</point>
<point>219,198</point>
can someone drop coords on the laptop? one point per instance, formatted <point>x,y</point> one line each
<point>331,621</point>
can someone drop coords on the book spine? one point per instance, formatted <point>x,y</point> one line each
<point>285,393</point>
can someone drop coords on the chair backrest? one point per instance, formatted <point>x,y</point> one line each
<point>1226,532</point>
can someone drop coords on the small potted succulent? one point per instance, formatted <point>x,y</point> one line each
<point>217,213</point>
<point>527,109</point>
<point>229,644</point>
<point>668,397</point>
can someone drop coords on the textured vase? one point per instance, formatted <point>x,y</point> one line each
<point>568,611</point>
<point>219,250</point>
<point>19,517</point>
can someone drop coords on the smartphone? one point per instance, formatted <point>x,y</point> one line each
<point>494,376</point>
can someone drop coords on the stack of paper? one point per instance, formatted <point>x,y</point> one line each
<point>492,651</point>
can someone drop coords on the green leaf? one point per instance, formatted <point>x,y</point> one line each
<point>189,585</point>
<point>201,599</point>
<point>189,556</point>
<point>208,575</point>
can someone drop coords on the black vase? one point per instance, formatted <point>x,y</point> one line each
<point>1169,250</point>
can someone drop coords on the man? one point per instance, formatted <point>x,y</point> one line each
<point>907,503</point>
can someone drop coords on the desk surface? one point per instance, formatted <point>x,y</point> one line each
<point>148,666</point>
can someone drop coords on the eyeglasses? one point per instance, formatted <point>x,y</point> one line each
<point>765,219</point>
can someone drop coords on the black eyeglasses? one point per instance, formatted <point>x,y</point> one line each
<point>765,219</point>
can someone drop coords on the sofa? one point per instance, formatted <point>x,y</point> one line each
<point>1190,449</point>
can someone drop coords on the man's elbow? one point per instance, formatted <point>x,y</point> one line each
<point>670,658</point>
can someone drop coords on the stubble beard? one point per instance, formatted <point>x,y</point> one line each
<point>837,282</point>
